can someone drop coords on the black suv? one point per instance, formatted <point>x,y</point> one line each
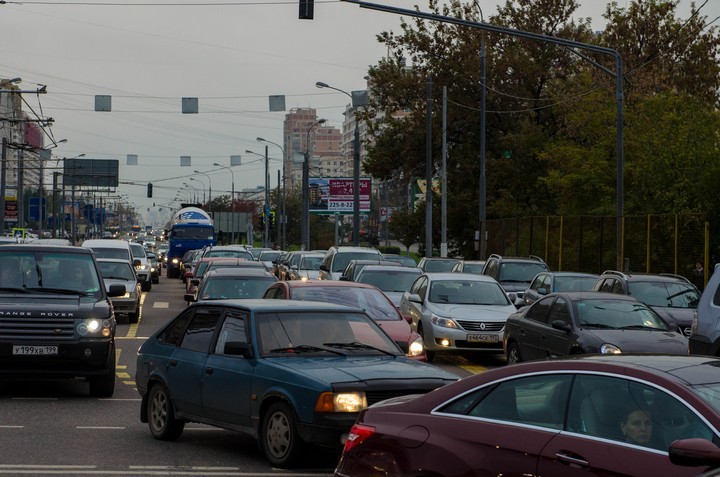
<point>514,273</point>
<point>673,297</point>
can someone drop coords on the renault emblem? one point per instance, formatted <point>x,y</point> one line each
<point>482,326</point>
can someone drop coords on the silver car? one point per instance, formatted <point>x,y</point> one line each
<point>308,267</point>
<point>456,312</point>
<point>116,271</point>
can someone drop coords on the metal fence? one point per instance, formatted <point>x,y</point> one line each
<point>652,243</point>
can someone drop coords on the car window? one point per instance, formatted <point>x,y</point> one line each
<point>467,292</point>
<point>199,332</point>
<point>631,412</point>
<point>668,294</point>
<point>559,311</point>
<point>618,314</point>
<point>535,400</point>
<point>176,330</point>
<point>492,268</point>
<point>536,283</point>
<point>520,271</point>
<point>574,283</point>
<point>617,287</point>
<point>539,310</point>
<point>341,260</point>
<point>233,329</point>
<point>392,281</point>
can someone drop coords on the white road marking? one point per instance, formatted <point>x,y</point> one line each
<point>161,304</point>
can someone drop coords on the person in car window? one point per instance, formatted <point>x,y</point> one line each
<point>637,427</point>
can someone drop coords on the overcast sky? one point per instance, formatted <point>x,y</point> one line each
<point>232,57</point>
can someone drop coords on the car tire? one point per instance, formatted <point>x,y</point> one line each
<point>104,385</point>
<point>430,355</point>
<point>280,440</point>
<point>161,415</point>
<point>513,353</point>
<point>156,280</point>
<point>133,317</point>
<point>146,286</point>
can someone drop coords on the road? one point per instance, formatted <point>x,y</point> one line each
<point>52,427</point>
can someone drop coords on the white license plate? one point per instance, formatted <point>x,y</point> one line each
<point>35,350</point>
<point>480,338</point>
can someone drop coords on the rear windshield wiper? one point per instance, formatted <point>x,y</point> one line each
<point>358,345</point>
<point>305,349</point>
<point>62,291</point>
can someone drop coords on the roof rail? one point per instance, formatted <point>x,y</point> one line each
<point>614,272</point>
<point>675,275</point>
<point>535,257</point>
<point>495,255</point>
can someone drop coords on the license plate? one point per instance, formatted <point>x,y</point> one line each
<point>480,338</point>
<point>35,350</point>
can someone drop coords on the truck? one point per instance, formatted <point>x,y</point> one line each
<point>191,228</point>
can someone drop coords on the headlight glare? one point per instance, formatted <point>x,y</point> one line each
<point>610,349</point>
<point>416,348</point>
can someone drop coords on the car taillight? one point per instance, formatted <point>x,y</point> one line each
<point>357,436</point>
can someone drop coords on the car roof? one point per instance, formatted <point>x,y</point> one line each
<point>325,284</point>
<point>570,274</point>
<point>344,249</point>
<point>590,295</point>
<point>437,276</point>
<point>393,268</point>
<point>113,260</point>
<point>238,272</point>
<point>645,277</point>
<point>46,248</point>
<point>270,305</point>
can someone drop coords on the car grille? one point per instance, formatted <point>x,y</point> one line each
<point>481,326</point>
<point>60,328</point>
<point>376,396</point>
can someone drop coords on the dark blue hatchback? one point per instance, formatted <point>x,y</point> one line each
<point>288,372</point>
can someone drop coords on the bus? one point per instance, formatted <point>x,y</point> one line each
<point>190,228</point>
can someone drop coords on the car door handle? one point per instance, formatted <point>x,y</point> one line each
<point>172,362</point>
<point>209,370</point>
<point>573,459</point>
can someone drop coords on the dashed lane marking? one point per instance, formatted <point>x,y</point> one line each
<point>161,304</point>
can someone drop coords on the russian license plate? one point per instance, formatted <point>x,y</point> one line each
<point>482,338</point>
<point>35,350</point>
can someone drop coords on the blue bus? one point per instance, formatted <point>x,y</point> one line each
<point>191,228</point>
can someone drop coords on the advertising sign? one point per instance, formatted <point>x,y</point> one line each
<point>332,195</point>
<point>11,209</point>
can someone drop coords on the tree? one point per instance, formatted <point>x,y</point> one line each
<point>406,226</point>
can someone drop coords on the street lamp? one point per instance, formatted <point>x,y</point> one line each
<point>282,223</point>
<point>209,201</point>
<point>358,98</point>
<point>305,225</point>
<point>202,184</point>
<point>266,206</point>
<point>193,188</point>
<point>232,198</point>
<point>483,187</point>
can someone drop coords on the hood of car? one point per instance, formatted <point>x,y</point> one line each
<point>310,274</point>
<point>397,330</point>
<point>642,341</point>
<point>474,312</point>
<point>349,369</point>
<point>681,316</point>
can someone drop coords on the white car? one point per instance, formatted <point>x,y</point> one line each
<point>457,312</point>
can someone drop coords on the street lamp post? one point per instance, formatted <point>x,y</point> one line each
<point>483,186</point>
<point>232,198</point>
<point>282,223</point>
<point>357,100</point>
<point>193,188</point>
<point>201,183</point>
<point>305,227</point>
<point>209,201</point>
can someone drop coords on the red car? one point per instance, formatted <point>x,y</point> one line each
<point>593,415</point>
<point>362,295</point>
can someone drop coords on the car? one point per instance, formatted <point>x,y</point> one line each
<point>566,323</point>
<point>268,257</point>
<point>231,251</point>
<point>392,280</point>
<point>705,336</point>
<point>205,264</point>
<point>232,283</point>
<point>154,266</point>
<point>405,260</point>
<point>308,266</point>
<point>549,282</point>
<point>437,264</point>
<point>673,297</point>
<point>514,273</point>
<point>337,258</point>
<point>143,267</point>
<point>457,312</point>
<point>103,248</point>
<point>255,251</point>
<point>275,369</point>
<point>116,271</point>
<point>187,262</point>
<point>469,266</point>
<point>558,417</point>
<point>56,320</point>
<point>162,252</point>
<point>369,298</point>
<point>355,266</point>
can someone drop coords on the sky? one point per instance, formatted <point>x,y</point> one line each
<point>230,54</point>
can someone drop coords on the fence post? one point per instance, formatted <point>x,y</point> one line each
<point>560,243</point>
<point>647,245</point>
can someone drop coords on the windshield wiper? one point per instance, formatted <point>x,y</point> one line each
<point>640,327</point>
<point>597,325</point>
<point>62,291</point>
<point>14,289</point>
<point>356,345</point>
<point>305,349</point>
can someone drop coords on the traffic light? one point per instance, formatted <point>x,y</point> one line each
<point>271,218</point>
<point>307,8</point>
<point>262,221</point>
<point>149,190</point>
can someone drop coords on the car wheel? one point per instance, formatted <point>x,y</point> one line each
<point>280,439</point>
<point>161,415</point>
<point>133,317</point>
<point>513,353</point>
<point>430,355</point>
<point>104,385</point>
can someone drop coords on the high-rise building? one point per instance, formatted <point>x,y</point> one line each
<point>324,142</point>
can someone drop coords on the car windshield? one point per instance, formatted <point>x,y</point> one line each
<point>467,292</point>
<point>230,253</point>
<point>138,250</point>
<point>389,281</point>
<point>475,268</point>
<point>120,253</point>
<point>50,271</point>
<point>439,265</point>
<point>342,259</point>
<point>294,333</point>
<point>117,271</point>
<point>374,302</point>
<point>269,255</point>
<point>216,288</point>
<point>669,294</point>
<point>574,283</point>
<point>617,314</point>
<point>310,263</point>
<point>192,233</point>
<point>520,272</point>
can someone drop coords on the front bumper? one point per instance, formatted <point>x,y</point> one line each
<point>77,358</point>
<point>448,339</point>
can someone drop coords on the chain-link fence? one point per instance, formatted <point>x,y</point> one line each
<point>652,243</point>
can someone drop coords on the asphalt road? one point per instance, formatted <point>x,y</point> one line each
<point>52,427</point>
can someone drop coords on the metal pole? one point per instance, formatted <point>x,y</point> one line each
<point>619,148</point>
<point>3,169</point>
<point>428,167</point>
<point>305,201</point>
<point>55,200</point>
<point>483,185</point>
<point>443,239</point>
<point>356,185</point>
<point>266,211</point>
<point>277,214</point>
<point>20,189</point>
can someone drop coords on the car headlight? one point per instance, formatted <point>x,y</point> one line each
<point>341,402</point>
<point>175,261</point>
<point>152,269</point>
<point>303,278</point>
<point>443,322</point>
<point>694,324</point>
<point>610,349</point>
<point>141,267</point>
<point>417,347</point>
<point>94,326</point>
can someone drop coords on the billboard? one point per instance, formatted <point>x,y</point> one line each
<point>90,172</point>
<point>330,195</point>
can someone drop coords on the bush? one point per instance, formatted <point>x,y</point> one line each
<point>389,249</point>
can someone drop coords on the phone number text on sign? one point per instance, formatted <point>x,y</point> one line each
<point>347,206</point>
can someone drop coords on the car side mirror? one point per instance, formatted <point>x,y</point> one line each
<point>116,290</point>
<point>561,325</point>
<point>415,298</point>
<point>512,296</point>
<point>238,348</point>
<point>324,268</point>
<point>694,452</point>
<point>137,263</point>
<point>190,297</point>
<point>542,291</point>
<point>195,281</point>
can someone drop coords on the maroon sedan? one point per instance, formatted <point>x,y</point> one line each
<point>634,415</point>
<point>362,295</point>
